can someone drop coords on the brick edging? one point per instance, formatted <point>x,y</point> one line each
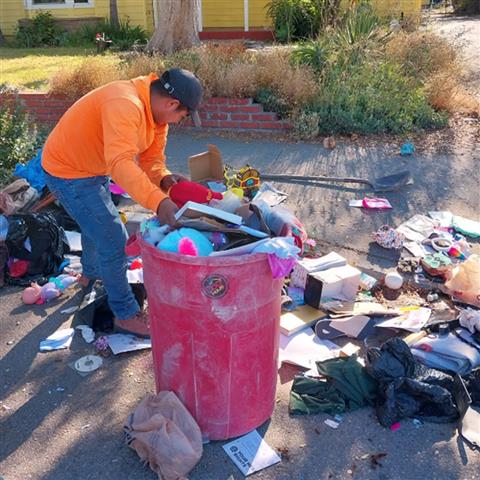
<point>216,112</point>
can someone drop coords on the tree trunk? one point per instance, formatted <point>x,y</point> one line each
<point>114,14</point>
<point>177,26</point>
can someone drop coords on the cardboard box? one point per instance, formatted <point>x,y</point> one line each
<point>340,283</point>
<point>206,166</point>
<point>310,265</point>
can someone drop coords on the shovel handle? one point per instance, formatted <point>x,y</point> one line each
<point>280,177</point>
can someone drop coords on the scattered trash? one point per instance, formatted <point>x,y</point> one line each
<point>101,343</point>
<point>418,423</point>
<point>470,319</point>
<point>10,342</point>
<point>432,297</point>
<point>121,343</point>
<point>407,149</point>
<point>389,238</point>
<point>87,333</point>
<point>251,453</point>
<point>396,426</point>
<point>59,340</point>
<point>393,280</point>
<point>88,363</point>
<point>371,203</point>
<point>331,423</point>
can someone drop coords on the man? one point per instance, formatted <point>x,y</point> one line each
<point>118,131</point>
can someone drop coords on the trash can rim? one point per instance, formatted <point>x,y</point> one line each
<point>201,261</point>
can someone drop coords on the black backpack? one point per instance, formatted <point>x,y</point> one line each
<point>47,241</point>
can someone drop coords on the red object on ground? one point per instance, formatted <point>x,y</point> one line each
<point>183,192</point>
<point>215,325</point>
<point>18,268</point>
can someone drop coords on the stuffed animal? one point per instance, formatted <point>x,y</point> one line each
<point>187,241</point>
<point>182,192</point>
<point>52,289</point>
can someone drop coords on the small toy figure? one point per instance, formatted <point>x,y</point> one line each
<point>53,289</point>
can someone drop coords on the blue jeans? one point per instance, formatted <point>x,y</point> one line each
<point>88,202</point>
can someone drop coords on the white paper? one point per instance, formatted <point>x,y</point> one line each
<point>135,276</point>
<point>59,340</point>
<point>74,241</point>
<point>121,343</point>
<point>412,321</point>
<point>355,203</point>
<point>416,249</point>
<point>87,333</point>
<point>305,348</point>
<point>444,218</point>
<point>251,453</point>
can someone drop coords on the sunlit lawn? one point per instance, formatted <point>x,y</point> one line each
<point>32,68</point>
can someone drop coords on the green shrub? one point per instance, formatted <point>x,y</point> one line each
<point>40,31</point>
<point>373,97</point>
<point>301,19</point>
<point>272,102</point>
<point>306,125</point>
<point>19,137</point>
<point>123,37</point>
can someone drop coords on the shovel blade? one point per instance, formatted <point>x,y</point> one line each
<point>393,182</point>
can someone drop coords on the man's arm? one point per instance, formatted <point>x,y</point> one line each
<point>120,121</point>
<point>153,160</point>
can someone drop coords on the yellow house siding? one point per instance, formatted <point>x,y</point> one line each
<point>393,8</point>
<point>222,13</point>
<point>149,20</point>
<point>10,12</point>
<point>134,10</point>
<point>257,14</point>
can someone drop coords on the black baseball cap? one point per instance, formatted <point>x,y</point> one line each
<point>185,87</point>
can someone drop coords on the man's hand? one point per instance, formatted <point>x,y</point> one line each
<point>166,212</point>
<point>172,179</point>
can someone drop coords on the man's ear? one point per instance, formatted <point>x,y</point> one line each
<point>173,104</point>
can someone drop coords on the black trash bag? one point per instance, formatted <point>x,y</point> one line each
<point>94,310</point>
<point>408,389</point>
<point>47,241</point>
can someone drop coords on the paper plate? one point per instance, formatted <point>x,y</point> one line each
<point>88,363</point>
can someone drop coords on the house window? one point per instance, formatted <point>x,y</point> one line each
<point>54,4</point>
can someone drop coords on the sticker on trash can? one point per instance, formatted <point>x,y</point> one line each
<point>215,286</point>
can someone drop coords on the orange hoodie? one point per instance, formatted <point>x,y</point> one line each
<point>111,131</point>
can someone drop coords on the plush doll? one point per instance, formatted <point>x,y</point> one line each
<point>182,192</point>
<point>187,241</point>
<point>53,289</point>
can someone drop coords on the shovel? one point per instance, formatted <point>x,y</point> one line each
<point>383,184</point>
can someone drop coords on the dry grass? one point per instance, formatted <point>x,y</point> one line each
<point>433,61</point>
<point>225,70</point>
<point>423,53</point>
<point>446,93</point>
<point>139,64</point>
<point>93,72</point>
